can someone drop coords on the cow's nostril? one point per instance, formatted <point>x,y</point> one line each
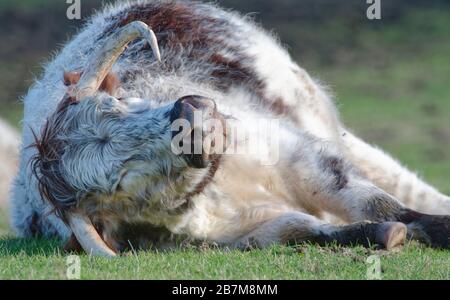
<point>199,102</point>
<point>185,107</point>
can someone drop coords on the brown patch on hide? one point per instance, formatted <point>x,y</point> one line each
<point>175,24</point>
<point>233,72</point>
<point>337,167</point>
<point>228,73</point>
<point>279,107</point>
<point>179,26</point>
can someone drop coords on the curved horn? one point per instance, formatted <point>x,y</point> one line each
<point>88,236</point>
<point>102,61</point>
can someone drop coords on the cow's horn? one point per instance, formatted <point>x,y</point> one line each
<point>102,60</point>
<point>88,236</point>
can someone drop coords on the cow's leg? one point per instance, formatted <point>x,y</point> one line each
<point>296,227</point>
<point>361,200</point>
<point>317,114</point>
<point>323,179</point>
<point>389,175</point>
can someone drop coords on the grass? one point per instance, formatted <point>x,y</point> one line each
<point>42,259</point>
<point>393,91</point>
<point>35,259</point>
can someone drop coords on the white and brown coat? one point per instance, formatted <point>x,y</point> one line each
<point>106,155</point>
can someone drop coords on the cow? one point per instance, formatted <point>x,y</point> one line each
<point>119,151</point>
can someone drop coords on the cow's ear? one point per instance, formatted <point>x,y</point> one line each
<point>72,78</point>
<point>110,84</point>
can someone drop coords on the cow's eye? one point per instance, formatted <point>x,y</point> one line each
<point>136,105</point>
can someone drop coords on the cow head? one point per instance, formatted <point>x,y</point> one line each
<point>96,146</point>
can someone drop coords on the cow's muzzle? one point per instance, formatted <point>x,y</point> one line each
<point>198,130</point>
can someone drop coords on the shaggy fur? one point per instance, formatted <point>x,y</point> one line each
<point>109,156</point>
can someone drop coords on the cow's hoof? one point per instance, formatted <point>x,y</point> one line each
<point>391,235</point>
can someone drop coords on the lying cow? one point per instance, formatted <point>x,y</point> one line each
<point>105,170</point>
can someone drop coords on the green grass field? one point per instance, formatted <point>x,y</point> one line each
<point>37,259</point>
<point>392,87</point>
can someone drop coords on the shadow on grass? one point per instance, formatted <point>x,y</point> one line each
<point>29,246</point>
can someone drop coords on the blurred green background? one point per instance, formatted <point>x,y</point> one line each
<point>391,77</point>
